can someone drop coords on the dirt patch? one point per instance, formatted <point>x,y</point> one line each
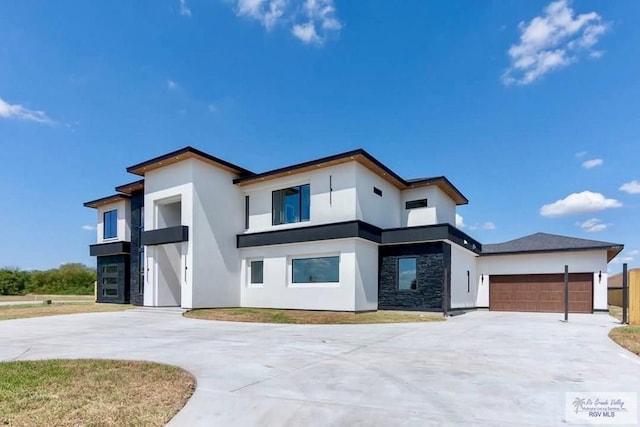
<point>37,310</point>
<point>628,337</point>
<point>263,315</point>
<point>91,392</point>
<point>39,298</point>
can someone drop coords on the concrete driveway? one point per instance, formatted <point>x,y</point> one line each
<point>483,368</point>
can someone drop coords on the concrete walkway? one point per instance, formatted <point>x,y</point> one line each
<point>483,368</point>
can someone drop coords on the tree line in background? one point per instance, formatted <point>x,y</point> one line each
<point>68,279</point>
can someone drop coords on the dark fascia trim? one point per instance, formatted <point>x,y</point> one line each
<point>352,153</point>
<point>430,233</point>
<point>135,169</point>
<point>417,182</point>
<point>106,200</point>
<point>439,180</point>
<point>131,187</point>
<point>112,248</point>
<point>539,251</point>
<point>162,236</point>
<point>361,229</point>
<point>340,230</point>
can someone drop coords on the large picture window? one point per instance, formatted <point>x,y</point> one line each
<point>407,277</point>
<point>110,224</point>
<point>316,270</point>
<point>291,205</point>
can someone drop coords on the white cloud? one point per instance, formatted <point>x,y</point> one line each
<point>581,154</point>
<point>310,21</point>
<point>171,85</point>
<point>460,221</point>
<point>551,41</point>
<point>579,203</point>
<point>592,225</point>
<point>184,9</point>
<point>588,164</point>
<point>634,252</point>
<point>17,111</point>
<point>488,226</point>
<point>88,227</point>
<point>631,187</point>
<point>306,32</point>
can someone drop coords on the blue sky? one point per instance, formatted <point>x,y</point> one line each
<point>530,108</point>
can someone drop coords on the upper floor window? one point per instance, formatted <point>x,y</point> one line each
<point>291,205</point>
<point>110,229</point>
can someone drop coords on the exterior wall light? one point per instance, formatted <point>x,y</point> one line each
<point>600,276</point>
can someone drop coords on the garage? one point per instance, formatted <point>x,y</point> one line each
<point>541,293</point>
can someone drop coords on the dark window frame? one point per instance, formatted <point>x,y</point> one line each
<point>377,191</point>
<point>278,204</point>
<point>110,230</point>
<point>110,276</point>
<point>415,204</point>
<point>252,272</point>
<point>413,288</point>
<point>246,212</point>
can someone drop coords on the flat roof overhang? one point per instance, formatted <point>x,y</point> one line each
<point>106,200</point>
<point>111,248</point>
<point>363,230</point>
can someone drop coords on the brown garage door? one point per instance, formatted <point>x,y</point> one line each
<point>541,292</point>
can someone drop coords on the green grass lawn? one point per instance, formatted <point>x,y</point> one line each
<point>263,315</point>
<point>91,393</point>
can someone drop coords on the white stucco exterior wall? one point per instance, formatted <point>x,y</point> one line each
<point>355,291</point>
<point>546,263</point>
<point>218,216</point>
<point>325,206</point>
<point>169,184</point>
<point>383,212</point>
<point>440,208</point>
<point>123,225</point>
<point>464,289</point>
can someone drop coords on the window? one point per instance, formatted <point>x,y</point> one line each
<point>110,280</point>
<point>257,272</point>
<point>377,191</point>
<point>407,278</point>
<point>291,205</point>
<point>110,224</point>
<point>110,269</point>
<point>246,212</point>
<point>412,204</point>
<point>141,276</point>
<point>316,270</point>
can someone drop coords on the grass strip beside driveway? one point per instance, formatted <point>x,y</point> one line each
<point>628,337</point>
<point>40,297</point>
<point>91,392</point>
<point>265,315</point>
<point>8,312</point>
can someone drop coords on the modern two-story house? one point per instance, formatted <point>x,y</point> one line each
<point>343,232</point>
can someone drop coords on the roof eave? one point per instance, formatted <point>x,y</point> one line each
<point>114,198</point>
<point>183,154</point>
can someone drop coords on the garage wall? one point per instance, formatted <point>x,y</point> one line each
<point>464,290</point>
<point>541,263</point>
